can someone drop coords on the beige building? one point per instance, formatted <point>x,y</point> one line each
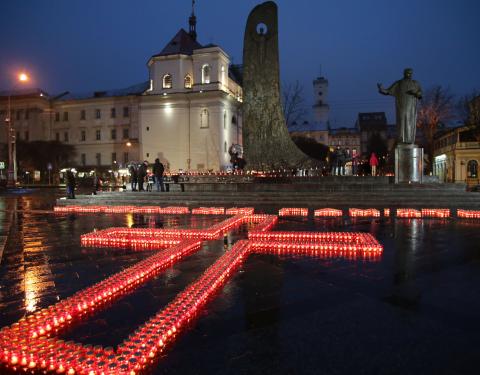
<point>457,156</point>
<point>187,113</point>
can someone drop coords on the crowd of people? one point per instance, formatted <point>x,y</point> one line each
<point>139,176</point>
<point>341,158</point>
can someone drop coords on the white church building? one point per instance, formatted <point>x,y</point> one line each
<point>187,113</point>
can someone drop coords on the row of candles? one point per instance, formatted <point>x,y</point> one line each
<point>31,342</point>
<point>287,211</point>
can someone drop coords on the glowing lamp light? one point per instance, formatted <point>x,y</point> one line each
<point>327,212</point>
<point>386,212</point>
<point>293,211</point>
<point>23,77</point>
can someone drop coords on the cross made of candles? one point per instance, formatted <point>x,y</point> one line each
<point>33,344</point>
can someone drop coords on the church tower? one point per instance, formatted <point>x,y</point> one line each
<point>321,109</point>
<point>192,22</point>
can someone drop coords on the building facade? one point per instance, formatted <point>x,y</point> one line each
<point>456,156</point>
<point>187,113</point>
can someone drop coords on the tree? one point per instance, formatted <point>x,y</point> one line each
<point>36,155</point>
<point>311,147</point>
<point>293,103</point>
<point>436,109</point>
<point>468,108</point>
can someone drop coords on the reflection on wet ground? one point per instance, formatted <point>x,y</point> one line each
<point>414,310</point>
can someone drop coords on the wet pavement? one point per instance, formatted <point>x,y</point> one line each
<point>414,310</point>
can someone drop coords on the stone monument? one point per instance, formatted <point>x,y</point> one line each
<point>408,156</point>
<point>267,143</point>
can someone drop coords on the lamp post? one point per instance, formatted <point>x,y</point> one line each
<point>12,152</point>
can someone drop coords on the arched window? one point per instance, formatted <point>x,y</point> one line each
<point>472,169</point>
<point>206,74</point>
<point>188,81</point>
<point>204,117</point>
<point>167,81</point>
<point>223,75</point>
<point>224,119</point>
<point>225,147</point>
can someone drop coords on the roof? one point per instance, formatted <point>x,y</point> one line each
<point>24,92</point>
<point>137,89</point>
<point>181,44</point>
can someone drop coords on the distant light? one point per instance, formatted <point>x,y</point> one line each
<point>129,144</point>
<point>23,77</point>
<point>41,94</point>
<point>164,94</point>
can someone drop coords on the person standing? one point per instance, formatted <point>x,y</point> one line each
<point>70,185</point>
<point>158,170</point>
<point>373,163</point>
<point>142,172</point>
<point>133,176</point>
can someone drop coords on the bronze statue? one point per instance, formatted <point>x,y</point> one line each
<point>406,92</point>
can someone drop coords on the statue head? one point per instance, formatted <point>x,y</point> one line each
<point>408,73</point>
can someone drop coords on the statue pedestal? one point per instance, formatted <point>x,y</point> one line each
<point>408,163</point>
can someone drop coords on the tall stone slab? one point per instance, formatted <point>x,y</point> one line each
<point>267,143</point>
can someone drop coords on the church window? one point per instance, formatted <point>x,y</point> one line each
<point>188,81</point>
<point>206,74</point>
<point>204,117</point>
<point>167,81</point>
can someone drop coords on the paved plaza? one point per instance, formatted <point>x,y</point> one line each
<point>411,308</point>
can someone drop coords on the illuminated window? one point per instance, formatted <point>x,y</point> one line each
<point>204,117</point>
<point>188,81</point>
<point>206,74</point>
<point>167,81</point>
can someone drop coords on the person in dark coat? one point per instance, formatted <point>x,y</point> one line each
<point>142,172</point>
<point>158,170</point>
<point>70,185</point>
<point>133,176</point>
<point>96,183</point>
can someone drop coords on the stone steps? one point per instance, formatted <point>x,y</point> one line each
<point>416,198</point>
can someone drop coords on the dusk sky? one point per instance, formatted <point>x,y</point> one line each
<point>85,45</point>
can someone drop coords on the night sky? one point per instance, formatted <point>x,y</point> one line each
<point>84,45</point>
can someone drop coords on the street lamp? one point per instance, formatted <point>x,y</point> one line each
<point>12,152</point>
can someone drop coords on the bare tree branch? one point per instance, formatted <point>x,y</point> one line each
<point>437,107</point>
<point>293,103</point>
